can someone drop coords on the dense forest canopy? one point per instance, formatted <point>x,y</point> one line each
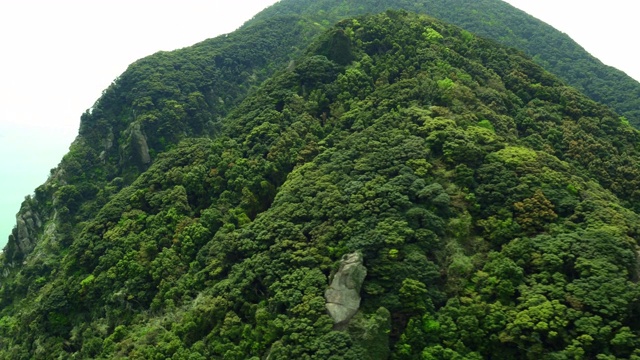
<point>214,193</point>
<point>495,19</point>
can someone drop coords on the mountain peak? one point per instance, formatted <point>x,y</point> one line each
<point>492,206</point>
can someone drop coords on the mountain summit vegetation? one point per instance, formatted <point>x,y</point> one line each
<point>387,187</point>
<point>497,20</point>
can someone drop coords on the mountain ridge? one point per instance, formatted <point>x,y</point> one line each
<point>498,20</point>
<point>493,205</point>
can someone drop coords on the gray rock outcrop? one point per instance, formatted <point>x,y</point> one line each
<point>343,295</point>
<point>140,146</point>
<point>28,224</point>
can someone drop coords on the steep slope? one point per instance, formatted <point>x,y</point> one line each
<point>495,209</point>
<point>157,102</point>
<point>113,147</point>
<point>497,20</point>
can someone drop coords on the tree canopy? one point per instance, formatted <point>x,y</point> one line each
<point>211,194</point>
<point>497,20</point>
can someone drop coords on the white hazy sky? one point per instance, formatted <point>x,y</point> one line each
<point>58,56</point>
<point>606,29</point>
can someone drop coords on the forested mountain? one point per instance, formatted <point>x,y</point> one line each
<point>218,196</point>
<point>497,20</point>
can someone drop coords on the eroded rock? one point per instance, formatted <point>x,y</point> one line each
<point>140,146</point>
<point>28,224</point>
<point>343,295</point>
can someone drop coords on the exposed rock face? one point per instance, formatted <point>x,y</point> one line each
<point>107,144</point>
<point>343,295</point>
<point>27,225</point>
<point>139,144</point>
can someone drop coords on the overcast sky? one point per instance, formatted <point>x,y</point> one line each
<point>606,29</point>
<point>58,56</point>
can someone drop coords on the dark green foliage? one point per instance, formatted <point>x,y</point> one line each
<point>497,20</point>
<point>494,206</point>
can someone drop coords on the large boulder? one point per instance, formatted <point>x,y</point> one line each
<point>343,295</point>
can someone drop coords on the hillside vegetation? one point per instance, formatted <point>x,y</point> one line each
<point>497,20</point>
<point>211,194</point>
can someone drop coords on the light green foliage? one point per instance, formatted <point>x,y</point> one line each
<point>486,124</point>
<point>516,156</point>
<point>445,84</point>
<point>624,120</point>
<point>432,35</point>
